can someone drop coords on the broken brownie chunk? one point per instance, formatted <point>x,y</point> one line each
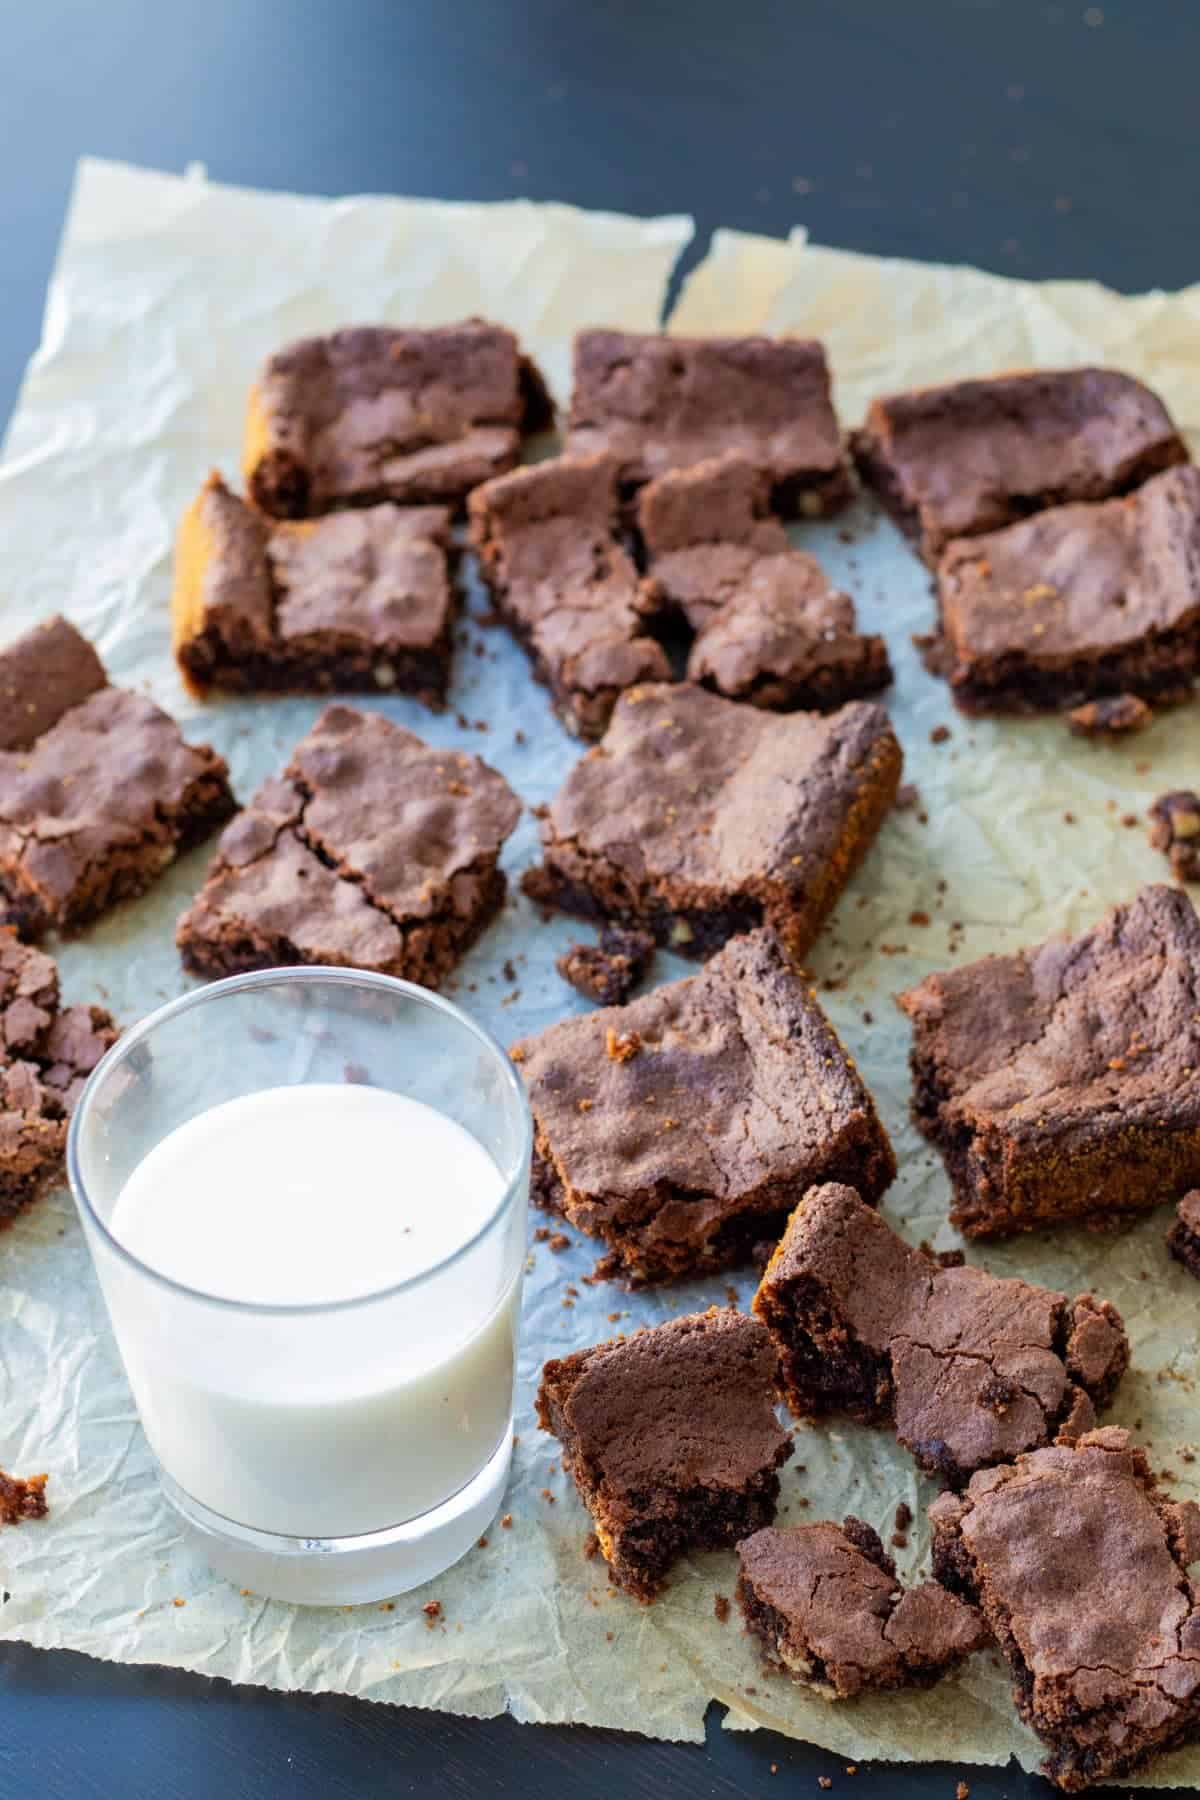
<point>1059,1082</point>
<point>1175,830</point>
<point>1183,1239</point>
<point>610,970</point>
<point>371,851</point>
<point>972,456</point>
<point>658,403</point>
<point>1116,716</point>
<point>1078,1563</point>
<point>683,1127</point>
<point>698,818</point>
<point>825,1603</point>
<point>967,1368</point>
<point>22,1497</point>
<point>375,413</point>
<point>671,1438</point>
<point>1077,603</point>
<point>359,600</point>
<point>98,791</point>
<point>770,627</point>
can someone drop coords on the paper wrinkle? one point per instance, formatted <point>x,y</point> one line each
<point>155,325</point>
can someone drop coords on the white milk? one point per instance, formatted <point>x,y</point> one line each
<point>349,1419</point>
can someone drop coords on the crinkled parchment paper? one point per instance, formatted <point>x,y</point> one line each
<point>166,295</point>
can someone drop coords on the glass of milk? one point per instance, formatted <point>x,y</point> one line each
<point>305,1195</point>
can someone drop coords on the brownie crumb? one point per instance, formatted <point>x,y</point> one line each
<point>940,734</point>
<point>903,1516</point>
<point>22,1497</point>
<point>357,1074</point>
<point>483,1543</point>
<point>1175,830</point>
<point>608,971</point>
<point>558,1241</point>
<point>1118,715</point>
<point>433,1611</point>
<point>508,970</point>
<point>824,1781</point>
<point>506,1522</point>
<point>1183,1239</point>
<point>622,1046</point>
<point>591,1547</point>
<point>721,1607</point>
<point>962,1791</point>
<point>949,1259</point>
<point>908,796</point>
<point>919,918</point>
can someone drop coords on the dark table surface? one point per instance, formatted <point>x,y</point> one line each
<point>1031,138</point>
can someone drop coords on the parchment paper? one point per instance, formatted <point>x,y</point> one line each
<point>166,295</point>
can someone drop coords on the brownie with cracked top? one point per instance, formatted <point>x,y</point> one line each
<point>47,1052</point>
<point>373,412</point>
<point>360,601</point>
<point>770,627</point>
<point>1183,1239</point>
<point>671,1438</point>
<point>658,403</point>
<point>699,818</point>
<point>1063,1081</point>
<point>825,1604</point>
<point>1078,1563</point>
<point>371,850</point>
<point>683,1127</point>
<point>549,550</point>
<point>98,790</point>
<point>1076,604</point>
<point>971,456</point>
<point>968,1369</point>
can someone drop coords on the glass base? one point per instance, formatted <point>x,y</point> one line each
<point>346,1571</point>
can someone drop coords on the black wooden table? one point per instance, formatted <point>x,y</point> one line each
<point>1037,139</point>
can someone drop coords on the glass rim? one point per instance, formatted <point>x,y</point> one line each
<point>293,975</point>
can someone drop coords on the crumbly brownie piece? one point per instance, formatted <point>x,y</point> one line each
<point>1183,1239</point>
<point>1077,603</point>
<point>375,413</point>
<point>967,1368</point>
<point>683,1127</point>
<point>699,818</point>
<point>1175,830</point>
<point>1059,1082</point>
<point>22,1497</point>
<point>372,851</point>
<point>1116,716</point>
<point>658,403</point>
<point>671,1438</point>
<point>98,791</point>
<point>548,548</point>
<point>771,628</point>
<point>975,455</point>
<point>826,1605</point>
<point>360,601</point>
<point>610,970</point>
<point>1078,1563</point>
<point>46,1054</point>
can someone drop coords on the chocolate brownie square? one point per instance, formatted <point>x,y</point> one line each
<point>658,403</point>
<point>826,1606</point>
<point>360,601</point>
<point>971,456</point>
<point>1078,603</point>
<point>1183,1239</point>
<point>699,818</point>
<point>1059,1082</point>
<point>375,413</point>
<point>610,970</point>
<point>968,1369</point>
<point>549,550</point>
<point>98,791</point>
<point>47,1051</point>
<point>1078,1563</point>
<point>770,627</point>
<point>671,1438</point>
<point>683,1127</point>
<point>370,851</point>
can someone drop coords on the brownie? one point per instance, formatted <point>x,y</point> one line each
<point>1078,1563</point>
<point>1059,1082</point>
<point>375,413</point>
<point>1115,716</point>
<point>968,1369</point>
<point>770,627</point>
<point>1078,603</point>
<point>610,970</point>
<point>671,1438</point>
<point>98,791</point>
<point>824,1601</point>
<point>658,403</point>
<point>1175,830</point>
<point>971,456</point>
<point>699,818</point>
<point>371,851</point>
<point>22,1497</point>
<point>360,601</point>
<point>47,1051</point>
<point>683,1127</point>
<point>548,544</point>
<point>1183,1239</point>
